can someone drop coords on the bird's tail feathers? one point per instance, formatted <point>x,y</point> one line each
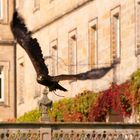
<point>56,86</point>
<point>61,88</point>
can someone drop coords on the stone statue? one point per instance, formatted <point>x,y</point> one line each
<point>44,105</point>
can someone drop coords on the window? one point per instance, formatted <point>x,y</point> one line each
<point>138,28</point>
<point>21,82</point>
<point>4,83</point>
<point>19,4</point>
<point>115,34</point>
<point>51,1</point>
<point>72,52</point>
<point>93,44</point>
<point>54,57</point>
<point>1,9</point>
<point>37,87</point>
<point>1,84</point>
<point>4,11</point>
<point>36,5</point>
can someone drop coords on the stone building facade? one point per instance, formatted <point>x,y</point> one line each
<point>7,62</point>
<point>76,36</point>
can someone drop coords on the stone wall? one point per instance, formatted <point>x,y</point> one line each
<point>7,57</point>
<point>56,19</point>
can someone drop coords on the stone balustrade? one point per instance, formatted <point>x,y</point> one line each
<point>69,131</point>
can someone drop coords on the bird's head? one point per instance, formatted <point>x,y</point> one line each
<point>40,78</point>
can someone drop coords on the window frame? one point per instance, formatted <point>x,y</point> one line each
<point>115,47</point>
<point>54,59</point>
<point>21,75</point>
<point>93,45</point>
<point>5,65</point>
<point>137,49</point>
<point>72,60</point>
<point>19,4</point>
<point>2,83</point>
<point>36,5</point>
<point>1,10</point>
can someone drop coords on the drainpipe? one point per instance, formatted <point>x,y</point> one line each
<point>15,82</point>
<point>15,71</point>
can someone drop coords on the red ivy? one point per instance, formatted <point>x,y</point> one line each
<point>117,98</point>
<point>75,116</point>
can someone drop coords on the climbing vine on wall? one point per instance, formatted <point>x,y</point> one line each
<point>117,98</point>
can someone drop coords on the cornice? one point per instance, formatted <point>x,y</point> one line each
<point>69,11</point>
<point>7,42</point>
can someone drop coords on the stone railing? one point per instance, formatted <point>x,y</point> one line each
<point>69,131</point>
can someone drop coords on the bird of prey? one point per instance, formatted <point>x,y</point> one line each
<point>32,48</point>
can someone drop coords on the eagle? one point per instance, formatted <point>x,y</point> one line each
<point>31,46</point>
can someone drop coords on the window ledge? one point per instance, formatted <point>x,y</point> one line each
<point>36,9</point>
<point>116,60</point>
<point>21,102</point>
<point>2,103</point>
<point>137,52</point>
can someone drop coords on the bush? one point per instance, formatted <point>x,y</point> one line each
<point>67,109</point>
<point>31,116</point>
<point>135,87</point>
<point>59,108</point>
<point>117,98</point>
<point>73,109</point>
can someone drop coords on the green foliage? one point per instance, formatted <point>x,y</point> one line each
<point>31,116</point>
<point>135,79</point>
<point>135,86</point>
<point>73,109</point>
<point>83,102</point>
<point>64,105</point>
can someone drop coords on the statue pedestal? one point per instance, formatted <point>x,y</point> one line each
<point>44,117</point>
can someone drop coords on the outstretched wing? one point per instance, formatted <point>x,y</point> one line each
<point>32,48</point>
<point>91,74</point>
<point>29,44</point>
